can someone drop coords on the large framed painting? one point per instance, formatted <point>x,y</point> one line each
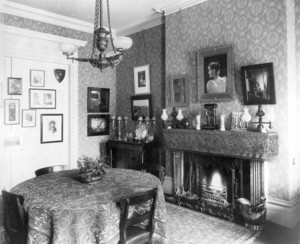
<point>98,124</point>
<point>42,98</point>
<point>51,128</point>
<point>180,91</point>
<point>98,100</point>
<point>141,79</point>
<point>258,84</point>
<point>215,78</point>
<point>141,106</point>
<point>11,111</point>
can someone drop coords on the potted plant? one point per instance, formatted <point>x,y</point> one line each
<point>90,169</point>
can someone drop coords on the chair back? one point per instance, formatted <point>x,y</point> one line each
<point>158,170</point>
<point>15,217</point>
<point>129,222</point>
<point>50,169</point>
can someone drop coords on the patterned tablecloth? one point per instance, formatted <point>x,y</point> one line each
<point>63,210</point>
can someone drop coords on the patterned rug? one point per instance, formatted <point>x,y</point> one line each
<point>186,226</point>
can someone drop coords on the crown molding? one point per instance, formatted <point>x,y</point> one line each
<point>20,10</point>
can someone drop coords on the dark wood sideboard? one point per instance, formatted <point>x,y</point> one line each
<point>132,155</point>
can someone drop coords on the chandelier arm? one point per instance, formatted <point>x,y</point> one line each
<point>109,26</point>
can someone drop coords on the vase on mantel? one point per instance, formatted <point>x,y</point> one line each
<point>246,117</point>
<point>179,115</point>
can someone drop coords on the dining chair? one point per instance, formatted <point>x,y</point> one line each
<point>50,169</point>
<point>15,217</point>
<point>158,170</point>
<point>129,232</point>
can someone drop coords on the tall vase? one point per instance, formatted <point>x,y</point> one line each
<point>164,116</point>
<point>246,117</point>
<point>222,120</point>
<point>179,116</point>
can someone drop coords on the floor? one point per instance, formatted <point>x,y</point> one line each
<point>275,234</point>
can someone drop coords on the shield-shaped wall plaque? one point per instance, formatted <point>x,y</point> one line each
<point>59,74</point>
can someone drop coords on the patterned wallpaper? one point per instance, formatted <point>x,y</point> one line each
<point>147,48</point>
<point>297,14</point>
<point>257,30</point>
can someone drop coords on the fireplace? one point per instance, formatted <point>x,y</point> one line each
<point>212,169</point>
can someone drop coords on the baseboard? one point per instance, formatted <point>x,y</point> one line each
<point>168,185</point>
<point>285,213</point>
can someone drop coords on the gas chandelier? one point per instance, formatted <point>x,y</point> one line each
<point>101,38</point>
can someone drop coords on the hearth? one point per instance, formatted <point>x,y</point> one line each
<point>215,171</point>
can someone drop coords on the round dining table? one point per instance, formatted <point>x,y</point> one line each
<point>62,209</point>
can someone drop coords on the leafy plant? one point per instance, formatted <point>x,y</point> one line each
<point>90,167</point>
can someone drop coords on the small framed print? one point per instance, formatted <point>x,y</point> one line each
<point>98,100</point>
<point>98,124</point>
<point>42,98</point>
<point>141,79</point>
<point>180,91</point>
<point>37,78</point>
<point>141,106</point>
<point>51,128</point>
<point>28,118</point>
<point>14,86</point>
<point>11,111</point>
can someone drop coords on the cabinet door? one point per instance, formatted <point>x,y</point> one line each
<point>134,160</point>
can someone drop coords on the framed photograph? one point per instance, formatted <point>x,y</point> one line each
<point>98,124</point>
<point>51,128</point>
<point>180,91</point>
<point>214,74</point>
<point>42,98</point>
<point>11,111</point>
<point>141,106</point>
<point>141,79</point>
<point>37,78</point>
<point>28,118</point>
<point>258,84</point>
<point>97,100</point>
<point>14,86</point>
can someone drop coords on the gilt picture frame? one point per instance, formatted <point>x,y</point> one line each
<point>258,84</point>
<point>52,128</point>
<point>98,100</point>
<point>141,106</point>
<point>141,79</point>
<point>98,124</point>
<point>180,90</point>
<point>215,79</point>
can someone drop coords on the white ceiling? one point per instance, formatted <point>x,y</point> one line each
<point>124,14</point>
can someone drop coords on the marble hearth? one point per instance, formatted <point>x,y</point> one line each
<point>241,153</point>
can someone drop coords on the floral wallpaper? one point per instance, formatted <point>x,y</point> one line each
<point>257,30</point>
<point>147,48</point>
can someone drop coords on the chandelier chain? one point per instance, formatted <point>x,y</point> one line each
<point>108,15</point>
<point>98,3</point>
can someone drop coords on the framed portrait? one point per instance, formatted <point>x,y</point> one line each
<point>141,106</point>
<point>98,100</point>
<point>51,128</point>
<point>14,86</point>
<point>141,79</point>
<point>98,124</point>
<point>28,118</point>
<point>215,78</point>
<point>258,84</point>
<point>42,98</point>
<point>37,78</point>
<point>11,111</point>
<point>179,85</point>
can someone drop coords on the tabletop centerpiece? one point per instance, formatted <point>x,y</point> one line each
<point>92,170</point>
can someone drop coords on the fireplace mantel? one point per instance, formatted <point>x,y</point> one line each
<point>238,144</point>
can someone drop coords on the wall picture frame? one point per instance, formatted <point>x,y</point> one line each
<point>141,106</point>
<point>258,84</point>
<point>141,79</point>
<point>11,111</point>
<point>28,118</point>
<point>37,78</point>
<point>14,86</point>
<point>98,124</point>
<point>51,128</point>
<point>215,79</point>
<point>180,90</point>
<point>98,100</point>
<point>42,98</point>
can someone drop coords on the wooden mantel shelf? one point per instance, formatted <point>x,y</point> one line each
<point>239,144</point>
